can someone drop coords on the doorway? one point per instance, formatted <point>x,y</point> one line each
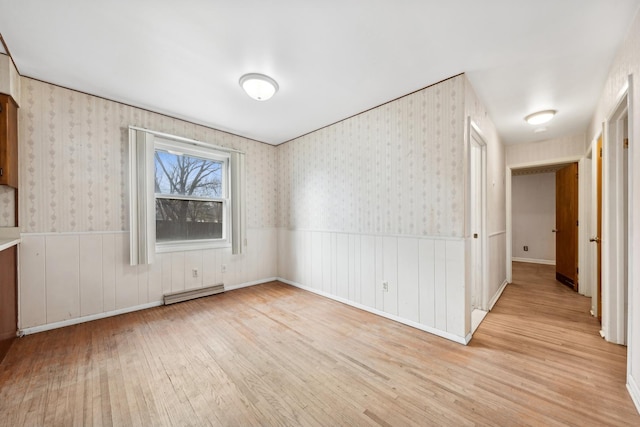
<point>544,218</point>
<point>550,165</point>
<point>615,223</point>
<point>477,225</point>
<point>566,229</point>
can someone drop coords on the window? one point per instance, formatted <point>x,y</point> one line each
<point>191,196</point>
<point>183,195</point>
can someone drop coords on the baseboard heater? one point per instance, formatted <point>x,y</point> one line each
<point>181,296</point>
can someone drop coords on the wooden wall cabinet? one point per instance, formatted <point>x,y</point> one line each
<point>8,141</point>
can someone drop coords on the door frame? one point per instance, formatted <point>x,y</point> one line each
<point>474,134</point>
<point>585,231</point>
<point>590,260</point>
<point>509,203</point>
<point>614,266</point>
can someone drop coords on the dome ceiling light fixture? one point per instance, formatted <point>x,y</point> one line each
<point>258,86</point>
<point>540,117</point>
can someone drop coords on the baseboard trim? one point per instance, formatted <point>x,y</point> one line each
<point>247,284</point>
<point>83,319</point>
<point>534,260</point>
<point>433,331</point>
<point>498,294</point>
<point>634,391</point>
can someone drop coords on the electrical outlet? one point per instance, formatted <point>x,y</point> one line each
<point>224,268</point>
<point>194,272</point>
<point>526,248</point>
<point>385,286</point>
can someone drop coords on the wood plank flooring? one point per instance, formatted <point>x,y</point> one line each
<point>276,355</point>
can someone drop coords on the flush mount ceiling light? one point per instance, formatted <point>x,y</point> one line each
<point>258,86</point>
<point>540,117</point>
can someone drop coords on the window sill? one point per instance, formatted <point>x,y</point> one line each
<point>191,246</point>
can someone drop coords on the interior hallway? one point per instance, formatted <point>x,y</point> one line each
<point>548,343</point>
<point>274,354</point>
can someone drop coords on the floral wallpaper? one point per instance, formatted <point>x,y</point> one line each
<point>396,169</point>
<point>73,161</point>
<point>7,206</point>
<point>496,200</point>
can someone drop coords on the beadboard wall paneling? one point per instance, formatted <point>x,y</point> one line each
<point>396,169</point>
<point>559,148</point>
<point>72,275</point>
<point>73,166</point>
<point>425,275</point>
<point>497,264</point>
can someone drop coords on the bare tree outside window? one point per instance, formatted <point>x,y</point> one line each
<point>188,192</point>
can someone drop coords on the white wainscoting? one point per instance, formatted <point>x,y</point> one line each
<point>497,265</point>
<point>67,276</point>
<point>425,275</point>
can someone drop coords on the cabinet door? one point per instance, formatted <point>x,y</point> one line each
<point>8,299</point>
<point>8,141</point>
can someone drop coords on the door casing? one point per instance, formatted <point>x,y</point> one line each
<point>509,202</point>
<point>616,271</point>
<point>476,221</point>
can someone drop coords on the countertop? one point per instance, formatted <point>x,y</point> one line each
<point>7,243</point>
<point>9,236</point>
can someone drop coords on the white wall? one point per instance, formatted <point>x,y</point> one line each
<point>543,151</point>
<point>627,62</point>
<point>74,213</point>
<point>381,197</point>
<point>496,197</point>
<point>534,216</point>
<point>394,176</point>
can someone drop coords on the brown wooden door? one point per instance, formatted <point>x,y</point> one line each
<point>567,225</point>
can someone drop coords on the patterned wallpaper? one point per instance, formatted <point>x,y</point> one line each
<point>73,165</point>
<point>396,169</point>
<point>7,207</point>
<point>626,62</point>
<point>557,148</point>
<point>496,201</point>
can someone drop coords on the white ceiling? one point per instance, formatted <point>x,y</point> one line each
<point>331,58</point>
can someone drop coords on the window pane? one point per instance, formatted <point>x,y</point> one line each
<point>187,175</point>
<point>188,220</point>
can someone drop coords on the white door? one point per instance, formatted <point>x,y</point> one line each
<point>477,219</point>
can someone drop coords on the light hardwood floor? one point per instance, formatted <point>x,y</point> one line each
<point>276,355</point>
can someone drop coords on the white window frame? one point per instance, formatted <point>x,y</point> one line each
<point>181,148</point>
<point>142,201</point>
